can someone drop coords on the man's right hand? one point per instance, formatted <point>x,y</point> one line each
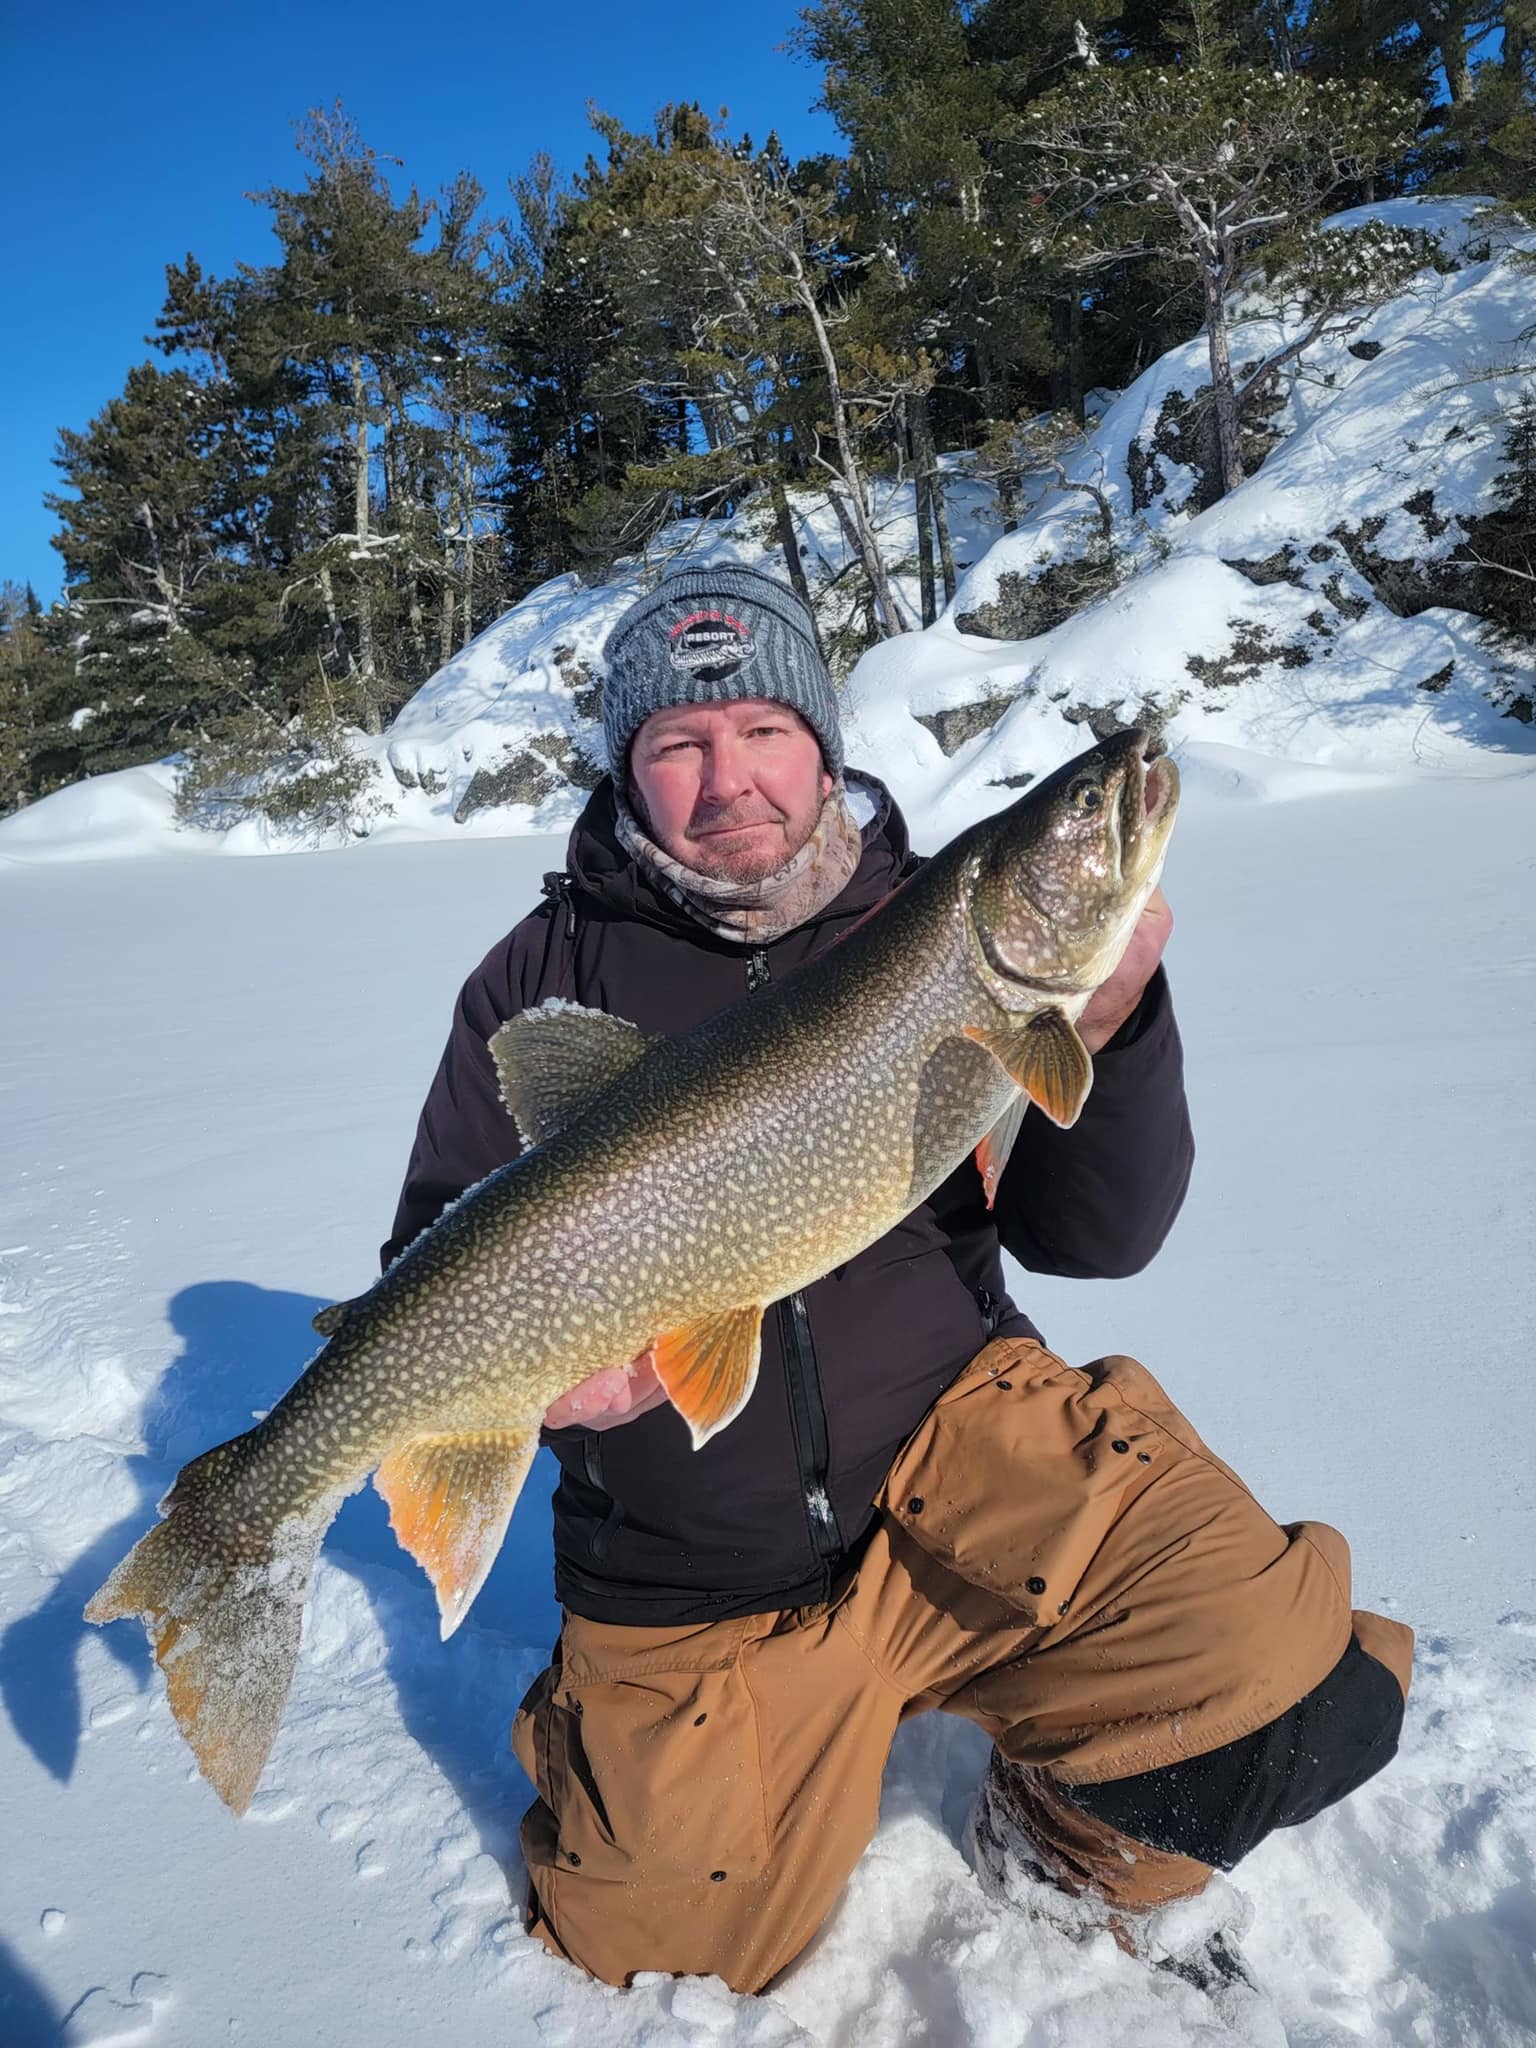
<point>605,1399</point>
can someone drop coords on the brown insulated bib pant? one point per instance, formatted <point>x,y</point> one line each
<point>1167,1674</point>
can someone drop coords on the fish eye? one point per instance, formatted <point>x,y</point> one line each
<point>1086,796</point>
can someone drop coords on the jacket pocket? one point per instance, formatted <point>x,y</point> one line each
<point>643,1744</point>
<point>1020,1471</point>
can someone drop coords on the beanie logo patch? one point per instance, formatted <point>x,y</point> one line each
<point>711,645</point>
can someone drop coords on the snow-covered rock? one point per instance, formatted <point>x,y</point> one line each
<point>1309,616</point>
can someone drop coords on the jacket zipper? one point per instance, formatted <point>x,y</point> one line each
<point>592,1465</point>
<point>809,1416</point>
<point>807,1410</point>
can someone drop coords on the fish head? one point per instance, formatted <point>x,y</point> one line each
<point>1060,878</point>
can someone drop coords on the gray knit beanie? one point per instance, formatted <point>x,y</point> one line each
<point>716,636</point>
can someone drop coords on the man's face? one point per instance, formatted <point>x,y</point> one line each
<point>733,791</point>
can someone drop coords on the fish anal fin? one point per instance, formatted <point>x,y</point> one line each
<point>450,1499</point>
<point>992,1153</point>
<point>709,1368</point>
<point>552,1061</point>
<point>1046,1058</point>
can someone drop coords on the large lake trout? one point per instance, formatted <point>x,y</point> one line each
<point>672,1192</point>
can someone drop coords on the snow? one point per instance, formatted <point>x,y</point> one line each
<point>212,1072</point>
<point>1317,669</point>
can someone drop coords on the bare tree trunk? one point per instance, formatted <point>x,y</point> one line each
<point>1076,366</point>
<point>1223,396</point>
<point>993,408</point>
<point>418,624</point>
<point>922,493</point>
<point>158,575</point>
<point>936,504</point>
<point>367,658</point>
<point>467,503</point>
<point>445,620</point>
<point>333,620</point>
<point>788,543</point>
<point>863,534</point>
<point>1515,40</point>
<point>1443,25</point>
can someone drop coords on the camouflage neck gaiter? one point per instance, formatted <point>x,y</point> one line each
<point>753,913</point>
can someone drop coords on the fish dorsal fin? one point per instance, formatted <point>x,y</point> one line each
<point>709,1368</point>
<point>1046,1058</point>
<point>992,1152</point>
<point>450,1499</point>
<point>552,1061</point>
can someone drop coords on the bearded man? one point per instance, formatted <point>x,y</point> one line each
<point>1166,1673</point>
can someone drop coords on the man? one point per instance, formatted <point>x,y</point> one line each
<point>920,1507</point>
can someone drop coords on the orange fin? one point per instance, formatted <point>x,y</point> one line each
<point>450,1499</point>
<point>1048,1061</point>
<point>709,1369</point>
<point>992,1152</point>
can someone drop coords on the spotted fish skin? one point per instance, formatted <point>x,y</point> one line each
<point>696,1181</point>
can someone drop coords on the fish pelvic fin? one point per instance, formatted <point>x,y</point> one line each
<point>552,1061</point>
<point>1044,1057</point>
<point>225,1628</point>
<point>450,1499</point>
<point>709,1368</point>
<point>992,1153</point>
<point>325,1322</point>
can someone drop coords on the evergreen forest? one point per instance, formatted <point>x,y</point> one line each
<point>334,468</point>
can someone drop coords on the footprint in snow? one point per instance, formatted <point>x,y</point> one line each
<point>100,2020</point>
<point>339,1821</point>
<point>456,1933</point>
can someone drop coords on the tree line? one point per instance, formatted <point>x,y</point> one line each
<point>338,466</point>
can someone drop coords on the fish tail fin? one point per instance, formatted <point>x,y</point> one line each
<point>223,1608</point>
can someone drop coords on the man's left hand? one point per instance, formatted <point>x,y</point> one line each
<point>1116,998</point>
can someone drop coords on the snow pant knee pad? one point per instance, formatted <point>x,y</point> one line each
<point>1215,1808</point>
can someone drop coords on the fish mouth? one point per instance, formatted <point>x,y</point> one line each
<point>1149,796</point>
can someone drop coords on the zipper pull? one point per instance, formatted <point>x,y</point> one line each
<point>557,889</point>
<point>759,973</point>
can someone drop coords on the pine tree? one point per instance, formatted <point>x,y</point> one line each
<point>1210,168</point>
<point>347,309</point>
<point>143,565</point>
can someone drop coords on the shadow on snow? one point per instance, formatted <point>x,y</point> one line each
<point>27,2019</point>
<point>241,1346</point>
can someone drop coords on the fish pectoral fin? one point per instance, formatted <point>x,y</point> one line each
<point>1047,1059</point>
<point>992,1152</point>
<point>450,1499</point>
<point>709,1368</point>
<point>552,1061</point>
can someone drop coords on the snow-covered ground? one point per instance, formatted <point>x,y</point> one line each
<point>211,1072</point>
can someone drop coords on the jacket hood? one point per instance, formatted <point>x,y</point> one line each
<point>602,869</point>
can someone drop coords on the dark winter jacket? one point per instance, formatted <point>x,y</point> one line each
<point>770,1512</point>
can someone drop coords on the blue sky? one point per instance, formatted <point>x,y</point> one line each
<point>132,135</point>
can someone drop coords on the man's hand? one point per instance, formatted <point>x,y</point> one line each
<point>605,1399</point>
<point>1114,1001</point>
